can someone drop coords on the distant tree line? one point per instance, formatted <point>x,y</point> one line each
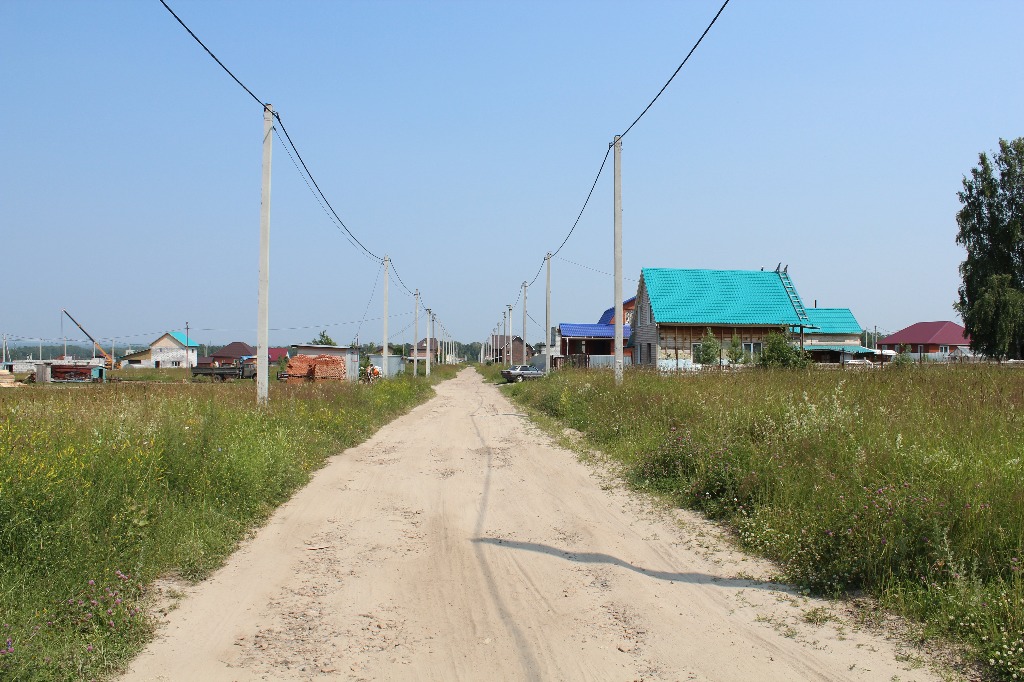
<point>24,351</point>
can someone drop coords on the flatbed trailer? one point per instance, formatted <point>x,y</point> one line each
<point>243,371</point>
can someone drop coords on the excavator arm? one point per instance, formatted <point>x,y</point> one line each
<point>108,358</point>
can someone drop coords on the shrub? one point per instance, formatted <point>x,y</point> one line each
<point>778,352</point>
<point>710,350</point>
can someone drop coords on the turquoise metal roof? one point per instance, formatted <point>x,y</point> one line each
<point>180,338</point>
<point>740,297</point>
<point>833,321</point>
<point>854,349</point>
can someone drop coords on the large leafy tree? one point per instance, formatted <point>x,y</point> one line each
<point>991,223</point>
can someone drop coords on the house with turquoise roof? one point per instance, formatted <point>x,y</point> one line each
<point>676,307</point>
<point>172,349</point>
<point>835,336</point>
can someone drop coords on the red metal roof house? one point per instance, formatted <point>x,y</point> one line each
<point>932,340</point>
<point>233,353</point>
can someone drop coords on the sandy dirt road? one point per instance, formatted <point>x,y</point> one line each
<point>460,544</point>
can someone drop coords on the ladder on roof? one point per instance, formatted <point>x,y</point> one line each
<point>794,298</point>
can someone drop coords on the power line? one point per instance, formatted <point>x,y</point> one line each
<point>593,185</point>
<point>372,294</point>
<point>587,267</point>
<point>277,115</point>
<point>399,278</point>
<point>678,69</point>
<point>284,129</point>
<point>258,100</point>
<point>589,194</point>
<point>604,161</point>
<point>312,191</point>
<point>539,270</point>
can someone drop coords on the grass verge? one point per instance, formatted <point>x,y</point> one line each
<point>906,483</point>
<point>104,488</point>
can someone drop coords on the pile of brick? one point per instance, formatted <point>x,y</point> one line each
<point>316,368</point>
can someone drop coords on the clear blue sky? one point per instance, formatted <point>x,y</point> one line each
<point>461,139</point>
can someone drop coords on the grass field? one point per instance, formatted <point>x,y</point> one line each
<point>906,483</point>
<point>104,488</point>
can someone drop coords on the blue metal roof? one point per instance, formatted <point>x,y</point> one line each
<point>730,297</point>
<point>591,331</point>
<point>606,317</point>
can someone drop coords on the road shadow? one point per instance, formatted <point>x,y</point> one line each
<point>607,559</point>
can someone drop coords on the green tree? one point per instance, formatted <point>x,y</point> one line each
<point>777,351</point>
<point>991,222</point>
<point>735,350</point>
<point>323,340</point>
<point>709,351</point>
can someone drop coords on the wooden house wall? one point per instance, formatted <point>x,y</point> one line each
<point>676,341</point>
<point>645,332</point>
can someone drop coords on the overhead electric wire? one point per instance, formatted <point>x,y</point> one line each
<point>539,270</point>
<point>277,115</point>
<point>372,294</point>
<point>676,72</point>
<point>587,201</point>
<point>635,121</point>
<point>226,69</point>
<point>312,191</point>
<point>587,267</point>
<point>306,168</point>
<point>399,278</point>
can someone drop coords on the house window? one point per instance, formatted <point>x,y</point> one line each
<point>650,355</point>
<point>753,348</point>
<point>175,363</point>
<point>944,349</point>
<point>695,349</point>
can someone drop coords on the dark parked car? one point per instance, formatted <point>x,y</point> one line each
<point>520,372</point>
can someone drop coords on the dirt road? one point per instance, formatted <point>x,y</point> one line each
<point>460,544</point>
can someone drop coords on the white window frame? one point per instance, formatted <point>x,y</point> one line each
<point>753,347</point>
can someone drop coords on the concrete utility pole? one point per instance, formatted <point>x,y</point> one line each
<point>188,359</point>
<point>618,261</point>
<point>384,349</point>
<point>525,285</point>
<point>430,318</point>
<point>416,336</point>
<point>547,321</point>
<point>508,338</point>
<point>263,313</point>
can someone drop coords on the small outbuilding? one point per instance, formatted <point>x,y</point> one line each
<point>351,355</point>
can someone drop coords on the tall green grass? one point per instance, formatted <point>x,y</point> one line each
<point>906,483</point>
<point>105,487</point>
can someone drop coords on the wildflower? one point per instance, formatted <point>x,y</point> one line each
<point>92,582</point>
